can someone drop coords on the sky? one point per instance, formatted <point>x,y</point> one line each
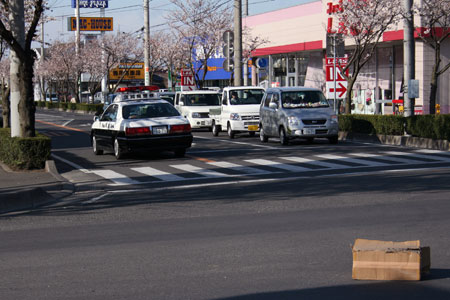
<point>128,14</point>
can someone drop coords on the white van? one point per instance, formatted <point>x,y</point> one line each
<point>195,106</point>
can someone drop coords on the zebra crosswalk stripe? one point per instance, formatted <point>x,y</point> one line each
<point>164,176</point>
<point>200,171</point>
<point>273,164</point>
<point>117,178</point>
<point>240,168</point>
<point>419,156</point>
<point>314,162</point>
<point>386,157</point>
<point>352,160</point>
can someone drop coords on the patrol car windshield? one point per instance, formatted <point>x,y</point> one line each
<point>246,97</point>
<point>149,110</point>
<point>201,100</point>
<point>303,99</point>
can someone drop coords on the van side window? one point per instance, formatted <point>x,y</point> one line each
<point>275,99</point>
<point>267,99</point>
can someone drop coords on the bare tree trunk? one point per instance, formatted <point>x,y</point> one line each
<point>434,79</point>
<point>348,98</point>
<point>27,106</point>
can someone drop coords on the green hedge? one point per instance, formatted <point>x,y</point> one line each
<point>71,106</point>
<point>24,153</point>
<point>372,124</point>
<point>429,126</point>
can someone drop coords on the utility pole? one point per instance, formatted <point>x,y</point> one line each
<point>246,58</point>
<point>77,45</point>
<point>238,42</point>
<point>42,82</point>
<point>408,57</point>
<point>17,23</point>
<point>104,83</point>
<point>146,42</point>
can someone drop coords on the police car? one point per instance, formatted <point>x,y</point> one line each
<point>140,125</point>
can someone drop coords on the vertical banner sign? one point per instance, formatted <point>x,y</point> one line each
<point>187,80</point>
<point>332,74</point>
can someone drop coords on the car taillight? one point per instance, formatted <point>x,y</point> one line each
<point>137,130</point>
<point>180,128</point>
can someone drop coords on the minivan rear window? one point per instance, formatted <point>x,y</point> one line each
<point>303,99</point>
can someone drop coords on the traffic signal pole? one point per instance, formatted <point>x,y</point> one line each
<point>408,57</point>
<point>146,42</point>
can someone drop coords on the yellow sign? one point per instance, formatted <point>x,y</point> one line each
<point>91,24</point>
<point>133,71</point>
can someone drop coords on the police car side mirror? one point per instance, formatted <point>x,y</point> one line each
<point>96,118</point>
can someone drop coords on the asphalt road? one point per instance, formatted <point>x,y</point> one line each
<point>282,234</point>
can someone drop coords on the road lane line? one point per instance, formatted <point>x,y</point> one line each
<point>73,165</point>
<point>62,126</point>
<point>67,123</point>
<point>234,142</point>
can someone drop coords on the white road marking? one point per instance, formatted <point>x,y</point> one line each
<point>67,123</point>
<point>73,165</point>
<point>158,174</point>
<point>234,142</point>
<point>387,157</point>
<point>117,178</point>
<point>278,165</point>
<point>315,162</point>
<point>352,160</point>
<point>240,168</point>
<point>420,156</point>
<point>200,171</point>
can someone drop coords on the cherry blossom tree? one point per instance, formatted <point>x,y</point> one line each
<point>363,23</point>
<point>120,48</point>
<point>25,57</point>
<point>434,29</point>
<point>201,24</point>
<point>173,56</point>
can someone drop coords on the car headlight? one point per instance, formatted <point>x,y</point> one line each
<point>196,115</point>
<point>293,121</point>
<point>334,119</point>
<point>235,117</point>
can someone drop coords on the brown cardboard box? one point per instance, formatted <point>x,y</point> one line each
<point>385,260</point>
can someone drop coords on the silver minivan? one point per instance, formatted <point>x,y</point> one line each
<point>297,112</point>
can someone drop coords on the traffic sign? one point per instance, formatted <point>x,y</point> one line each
<point>336,84</point>
<point>187,80</point>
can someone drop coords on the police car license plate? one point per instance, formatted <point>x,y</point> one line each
<point>253,127</point>
<point>159,130</point>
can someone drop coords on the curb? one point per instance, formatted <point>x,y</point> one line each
<point>29,198</point>
<point>397,140</point>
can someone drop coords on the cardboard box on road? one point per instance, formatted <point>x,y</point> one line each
<point>386,260</point>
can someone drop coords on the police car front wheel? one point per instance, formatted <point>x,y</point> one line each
<point>95,148</point>
<point>118,153</point>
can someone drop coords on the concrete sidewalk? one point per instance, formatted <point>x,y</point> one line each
<point>22,190</point>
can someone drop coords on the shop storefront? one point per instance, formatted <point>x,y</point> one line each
<point>295,55</point>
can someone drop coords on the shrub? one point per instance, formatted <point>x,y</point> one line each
<point>24,153</point>
<point>372,124</point>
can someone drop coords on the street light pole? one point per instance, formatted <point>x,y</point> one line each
<point>246,58</point>
<point>238,42</point>
<point>146,42</point>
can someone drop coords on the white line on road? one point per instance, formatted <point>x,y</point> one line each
<point>74,165</point>
<point>234,142</point>
<point>67,123</point>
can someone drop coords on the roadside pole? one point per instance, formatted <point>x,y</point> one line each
<point>104,85</point>
<point>246,59</point>
<point>146,42</point>
<point>408,57</point>
<point>77,43</point>
<point>17,23</point>
<point>238,42</point>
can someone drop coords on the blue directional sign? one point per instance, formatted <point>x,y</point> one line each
<point>90,3</point>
